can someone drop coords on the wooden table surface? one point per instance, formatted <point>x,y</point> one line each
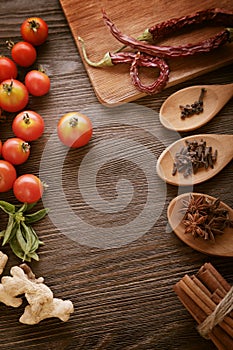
<point>117,262</point>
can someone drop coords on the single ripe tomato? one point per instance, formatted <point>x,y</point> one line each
<point>28,188</point>
<point>23,53</point>
<point>28,125</point>
<point>8,69</point>
<point>34,30</point>
<point>15,150</point>
<point>7,176</point>
<point>13,95</point>
<point>74,129</point>
<point>0,147</point>
<point>37,83</point>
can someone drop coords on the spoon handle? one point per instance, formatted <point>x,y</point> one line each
<point>224,91</point>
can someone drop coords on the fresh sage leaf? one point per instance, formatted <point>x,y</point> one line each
<point>2,233</point>
<point>8,208</point>
<point>33,255</point>
<point>23,208</point>
<point>14,244</point>
<point>8,230</point>
<point>22,242</point>
<point>34,217</point>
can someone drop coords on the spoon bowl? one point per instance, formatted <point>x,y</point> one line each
<point>223,245</point>
<point>221,143</point>
<point>216,96</point>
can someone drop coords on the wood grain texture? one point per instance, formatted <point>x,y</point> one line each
<point>123,296</point>
<point>113,85</point>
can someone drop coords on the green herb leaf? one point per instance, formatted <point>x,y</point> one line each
<point>21,241</point>
<point>7,207</point>
<point>27,235</point>
<point>14,244</point>
<point>30,206</point>
<point>22,208</point>
<point>40,214</point>
<point>36,242</point>
<point>33,256</point>
<point>2,233</point>
<point>8,230</point>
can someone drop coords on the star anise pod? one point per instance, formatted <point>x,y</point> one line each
<point>205,218</point>
<point>194,205</point>
<point>193,224</point>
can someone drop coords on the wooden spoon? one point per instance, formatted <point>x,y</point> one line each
<point>215,97</point>
<point>223,245</point>
<point>221,143</point>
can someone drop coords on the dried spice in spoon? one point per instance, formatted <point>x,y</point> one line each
<point>195,108</point>
<point>192,157</point>
<point>204,218</point>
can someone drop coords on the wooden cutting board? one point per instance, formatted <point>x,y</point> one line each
<point>112,85</point>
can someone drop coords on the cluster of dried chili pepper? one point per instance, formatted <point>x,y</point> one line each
<point>205,218</point>
<point>148,54</point>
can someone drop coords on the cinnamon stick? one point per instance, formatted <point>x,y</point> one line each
<point>200,294</point>
<point>212,278</point>
<point>216,297</point>
<point>214,281</point>
<point>216,335</point>
<point>203,302</point>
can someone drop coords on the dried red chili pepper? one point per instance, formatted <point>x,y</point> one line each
<point>136,60</point>
<point>210,17</point>
<point>141,60</point>
<point>170,51</point>
<point>109,59</point>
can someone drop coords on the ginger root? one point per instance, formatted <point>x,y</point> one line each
<point>3,261</point>
<point>53,308</point>
<point>40,298</point>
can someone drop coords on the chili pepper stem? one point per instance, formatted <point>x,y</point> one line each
<point>105,61</point>
<point>230,30</point>
<point>145,36</point>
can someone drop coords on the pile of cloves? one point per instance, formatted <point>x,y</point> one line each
<point>193,156</point>
<point>194,108</point>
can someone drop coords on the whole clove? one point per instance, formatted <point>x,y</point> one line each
<point>194,108</point>
<point>192,157</point>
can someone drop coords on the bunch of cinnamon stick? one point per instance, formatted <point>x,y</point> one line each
<point>201,294</point>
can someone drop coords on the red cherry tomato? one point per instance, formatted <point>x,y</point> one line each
<point>0,147</point>
<point>74,129</point>
<point>8,69</point>
<point>13,95</point>
<point>15,150</point>
<point>37,83</point>
<point>34,30</point>
<point>28,188</point>
<point>7,176</point>
<point>28,125</point>
<point>23,53</point>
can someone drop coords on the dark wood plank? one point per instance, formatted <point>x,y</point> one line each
<point>123,296</point>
